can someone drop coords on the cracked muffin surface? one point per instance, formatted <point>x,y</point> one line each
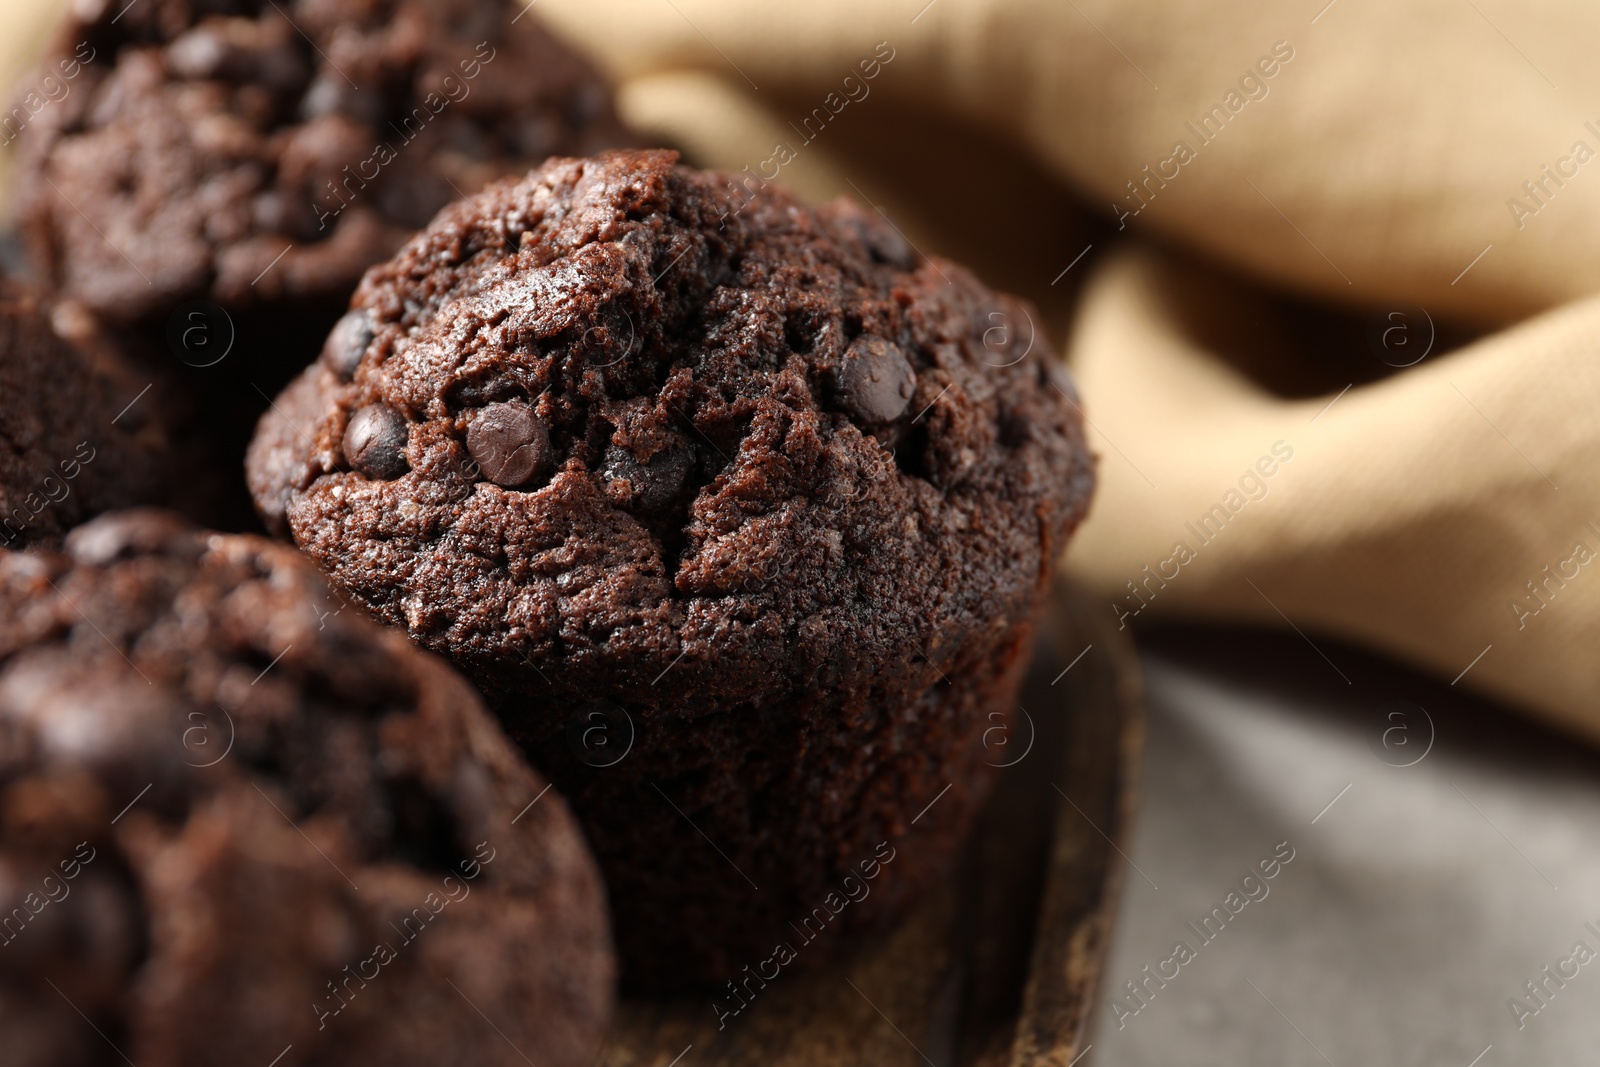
<point>236,815</point>
<point>759,476</point>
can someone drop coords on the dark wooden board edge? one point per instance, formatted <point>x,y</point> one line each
<point>1094,813</point>
<point>998,966</point>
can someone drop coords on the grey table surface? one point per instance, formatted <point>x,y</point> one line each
<point>1445,853</point>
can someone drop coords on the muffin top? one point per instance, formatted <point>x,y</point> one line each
<point>80,428</point>
<point>622,416</point>
<point>223,793</point>
<point>177,149</point>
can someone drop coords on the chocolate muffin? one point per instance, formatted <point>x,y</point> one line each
<point>80,430</point>
<point>662,459</point>
<point>263,153</point>
<point>239,820</point>
<point>223,171</point>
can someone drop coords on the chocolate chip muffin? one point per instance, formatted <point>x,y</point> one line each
<point>663,459</point>
<point>229,168</point>
<point>240,821</point>
<point>81,433</point>
<point>266,152</point>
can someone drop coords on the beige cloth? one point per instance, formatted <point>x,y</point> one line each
<point>1361,152</point>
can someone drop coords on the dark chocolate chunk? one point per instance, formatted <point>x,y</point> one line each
<point>889,247</point>
<point>509,443</point>
<point>875,381</point>
<point>884,243</point>
<point>348,342</point>
<point>375,442</point>
<point>648,486</point>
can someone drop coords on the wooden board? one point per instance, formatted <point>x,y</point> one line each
<point>999,966</point>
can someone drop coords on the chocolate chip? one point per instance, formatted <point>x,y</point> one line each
<point>648,486</point>
<point>348,342</point>
<point>375,442</point>
<point>889,247</point>
<point>884,243</point>
<point>875,382</point>
<point>509,443</point>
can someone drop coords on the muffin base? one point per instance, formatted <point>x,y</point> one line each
<point>770,838</point>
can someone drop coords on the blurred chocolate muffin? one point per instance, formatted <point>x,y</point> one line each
<point>213,176</point>
<point>238,820</point>
<point>665,460</point>
<point>261,153</point>
<point>81,433</point>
